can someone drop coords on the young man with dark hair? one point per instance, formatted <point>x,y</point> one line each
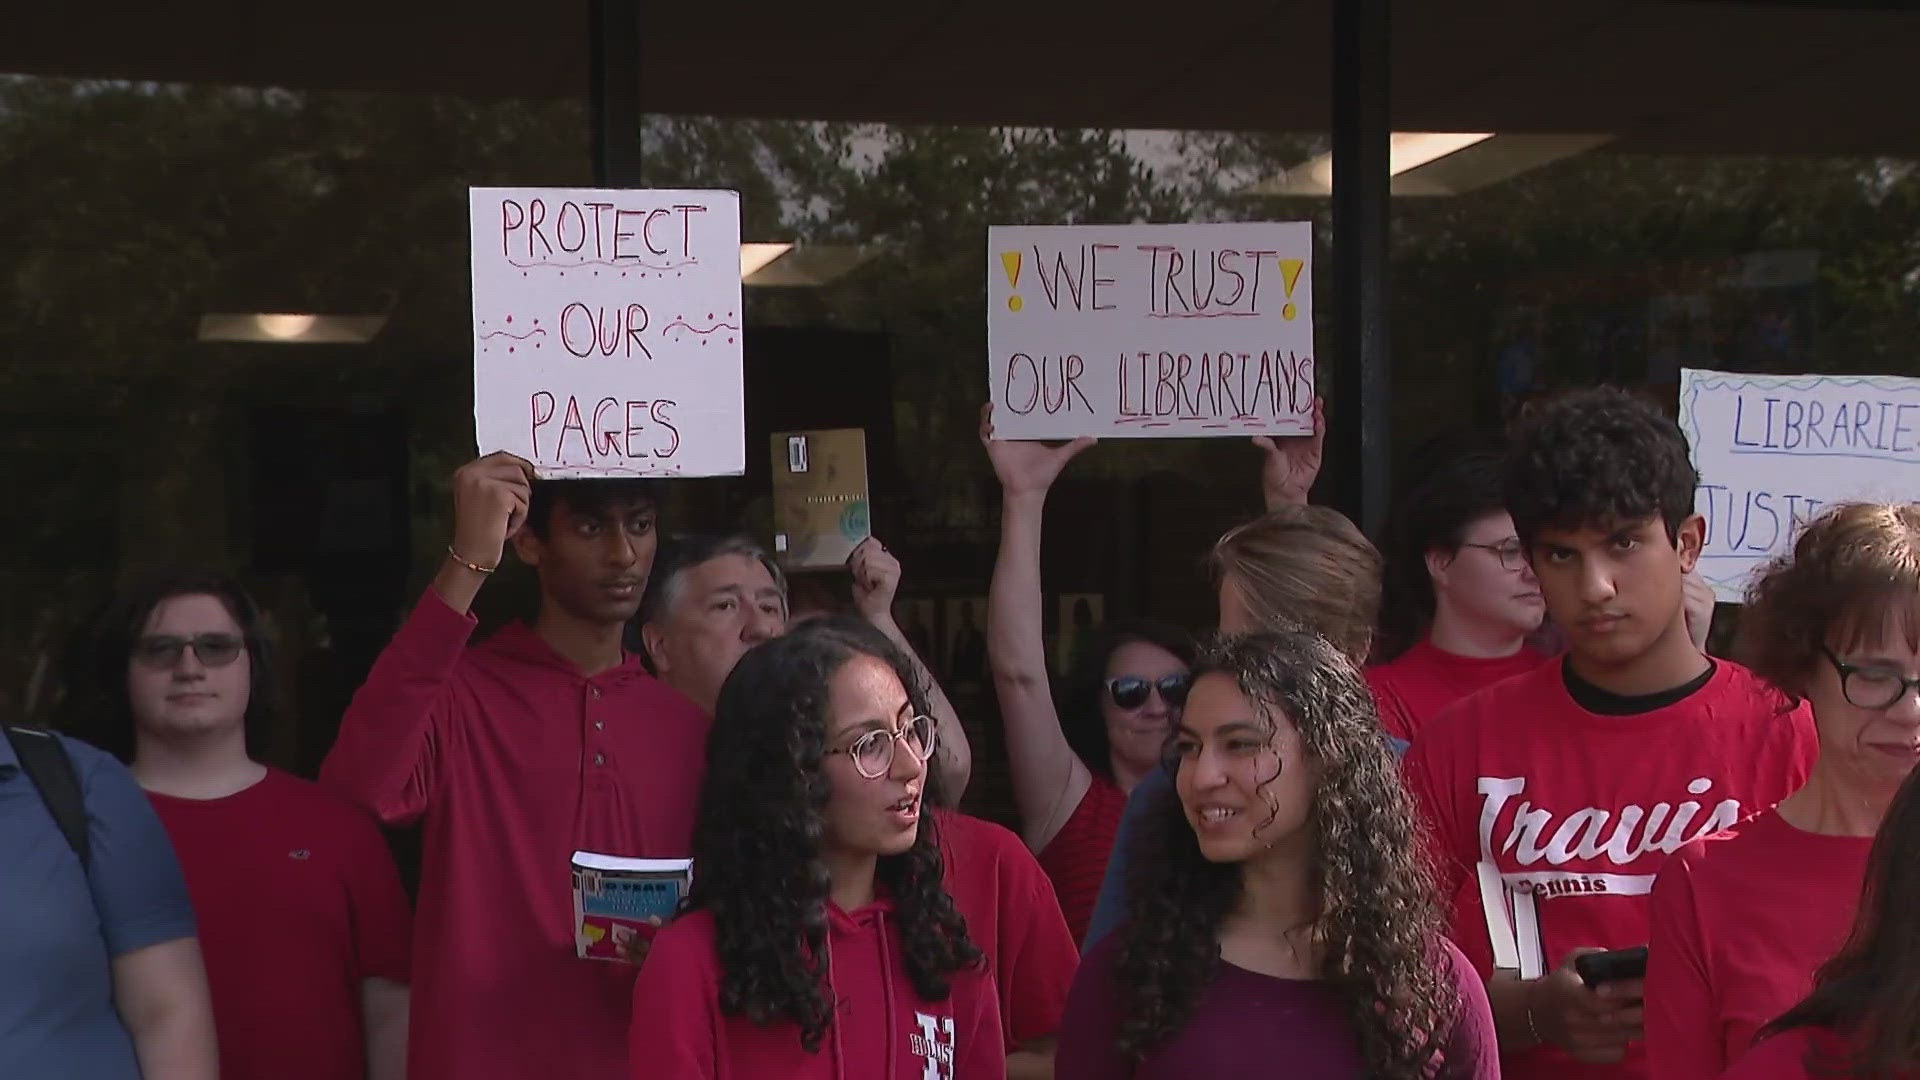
<point>1553,798</point>
<point>515,752</point>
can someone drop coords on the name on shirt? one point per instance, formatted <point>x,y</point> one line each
<point>933,1044</point>
<point>1534,835</point>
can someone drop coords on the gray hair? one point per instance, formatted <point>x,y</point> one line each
<point>683,553</point>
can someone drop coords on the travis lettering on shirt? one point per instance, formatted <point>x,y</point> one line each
<point>1549,822</point>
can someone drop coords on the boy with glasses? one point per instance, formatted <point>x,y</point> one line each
<point>303,922</point>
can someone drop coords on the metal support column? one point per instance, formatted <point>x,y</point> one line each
<point>614,68</point>
<point>1360,427</point>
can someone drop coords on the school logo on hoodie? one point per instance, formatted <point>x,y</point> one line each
<point>933,1044</point>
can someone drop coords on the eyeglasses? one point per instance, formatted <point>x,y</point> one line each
<point>1870,687</point>
<point>1130,691</point>
<point>1511,555</point>
<point>872,753</point>
<point>163,651</point>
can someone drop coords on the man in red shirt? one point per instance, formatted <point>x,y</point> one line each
<point>514,753</point>
<point>1460,596</point>
<point>1553,798</point>
<point>303,922</point>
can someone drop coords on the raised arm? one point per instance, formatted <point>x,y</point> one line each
<point>388,751</point>
<point>1289,465</point>
<point>1048,780</point>
<point>876,578</point>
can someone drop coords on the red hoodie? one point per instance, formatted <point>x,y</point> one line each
<point>515,760</point>
<point>882,1030</point>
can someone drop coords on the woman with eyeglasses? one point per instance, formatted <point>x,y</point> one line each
<point>303,921</point>
<point>1076,754</point>
<point>1862,1021</point>
<point>1741,920</point>
<point>1281,922</point>
<point>1461,598</point>
<point>817,940</point>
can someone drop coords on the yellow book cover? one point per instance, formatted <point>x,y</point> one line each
<point>819,496</point>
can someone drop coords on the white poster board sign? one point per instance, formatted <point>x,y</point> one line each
<point>1150,331</point>
<point>1773,449</point>
<point>607,330</point>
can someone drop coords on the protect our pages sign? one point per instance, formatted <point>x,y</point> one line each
<point>1150,330</point>
<point>1772,450</point>
<point>607,330</point>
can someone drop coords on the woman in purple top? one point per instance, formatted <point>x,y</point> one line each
<point>1279,918</point>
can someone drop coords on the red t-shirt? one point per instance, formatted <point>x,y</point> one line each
<point>1575,812</point>
<point>1013,917</point>
<point>298,904</point>
<point>1740,922</point>
<point>515,760</point>
<point>1786,1055</point>
<point>882,1029</point>
<point>1413,687</point>
<point>1076,858</point>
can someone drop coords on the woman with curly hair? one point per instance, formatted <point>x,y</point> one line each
<point>1279,912</point>
<point>1862,1021</point>
<point>817,940</point>
<point>1741,920</point>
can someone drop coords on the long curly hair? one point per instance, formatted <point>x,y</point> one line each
<point>1869,993</point>
<point>1597,458</point>
<point>757,842</point>
<point>1379,920</point>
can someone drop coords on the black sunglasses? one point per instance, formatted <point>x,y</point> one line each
<point>1130,691</point>
<point>163,651</point>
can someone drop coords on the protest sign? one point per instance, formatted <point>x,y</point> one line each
<point>1773,449</point>
<point>607,330</point>
<point>1150,330</point>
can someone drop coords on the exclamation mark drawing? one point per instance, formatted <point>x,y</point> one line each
<point>1290,277</point>
<point>1010,261</point>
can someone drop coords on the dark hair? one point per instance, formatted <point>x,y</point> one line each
<point>1305,566</point>
<point>1379,922</point>
<point>1854,567</point>
<point>1869,993</point>
<point>98,709</point>
<point>1081,692</point>
<point>1597,458</point>
<point>586,496</point>
<point>1434,516</point>
<point>685,552</point>
<point>757,841</point>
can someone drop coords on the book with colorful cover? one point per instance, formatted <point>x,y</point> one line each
<point>613,897</point>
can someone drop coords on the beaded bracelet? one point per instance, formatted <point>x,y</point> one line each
<point>473,566</point>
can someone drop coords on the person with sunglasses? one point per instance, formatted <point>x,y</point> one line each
<point>303,921</point>
<point>1461,599</point>
<point>1741,920</point>
<point>1073,757</point>
<point>817,940</point>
